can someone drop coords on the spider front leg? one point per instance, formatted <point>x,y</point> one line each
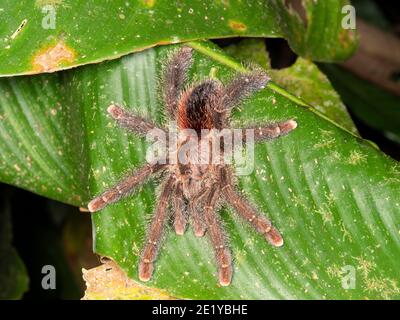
<point>124,187</point>
<point>241,87</point>
<point>247,212</point>
<point>127,120</point>
<point>272,130</point>
<point>217,237</point>
<point>155,232</point>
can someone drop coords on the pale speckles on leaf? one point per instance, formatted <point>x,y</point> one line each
<point>326,213</point>
<point>325,143</point>
<point>50,58</point>
<point>334,271</point>
<point>346,233</point>
<point>330,197</point>
<point>240,256</point>
<point>365,266</point>
<point>387,288</point>
<point>336,156</point>
<point>356,157</point>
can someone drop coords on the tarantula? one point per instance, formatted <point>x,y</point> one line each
<point>195,190</point>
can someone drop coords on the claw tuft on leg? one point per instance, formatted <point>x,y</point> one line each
<point>115,111</point>
<point>96,204</point>
<point>145,271</point>
<point>225,276</point>
<point>274,237</point>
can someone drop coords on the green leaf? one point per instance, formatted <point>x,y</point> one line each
<point>62,34</point>
<point>376,107</point>
<point>315,30</point>
<point>333,195</point>
<point>13,275</point>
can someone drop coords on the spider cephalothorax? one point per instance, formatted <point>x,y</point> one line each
<point>192,191</point>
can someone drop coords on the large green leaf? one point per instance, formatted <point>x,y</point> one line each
<point>376,107</point>
<point>333,195</point>
<point>63,34</point>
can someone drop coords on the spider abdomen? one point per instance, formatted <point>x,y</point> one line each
<point>196,106</point>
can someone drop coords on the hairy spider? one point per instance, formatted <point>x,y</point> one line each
<point>195,190</point>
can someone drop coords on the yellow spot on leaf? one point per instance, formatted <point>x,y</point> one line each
<point>149,3</point>
<point>50,58</point>
<point>237,25</point>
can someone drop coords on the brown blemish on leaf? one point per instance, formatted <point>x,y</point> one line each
<point>50,58</point>
<point>237,25</point>
<point>109,282</point>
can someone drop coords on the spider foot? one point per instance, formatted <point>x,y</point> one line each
<point>145,271</point>
<point>96,204</point>
<point>180,227</point>
<point>274,130</point>
<point>225,276</point>
<point>199,229</point>
<point>274,237</point>
<point>287,126</point>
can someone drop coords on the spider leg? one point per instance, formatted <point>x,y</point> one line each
<point>175,75</point>
<point>242,86</point>
<point>180,218</point>
<point>272,131</point>
<point>155,232</point>
<point>247,212</point>
<point>217,237</point>
<point>127,120</point>
<point>198,223</point>
<point>124,187</point>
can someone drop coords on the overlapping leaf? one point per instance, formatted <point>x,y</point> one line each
<point>48,35</point>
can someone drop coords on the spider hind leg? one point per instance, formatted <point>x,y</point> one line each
<point>217,237</point>
<point>247,212</point>
<point>155,232</point>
